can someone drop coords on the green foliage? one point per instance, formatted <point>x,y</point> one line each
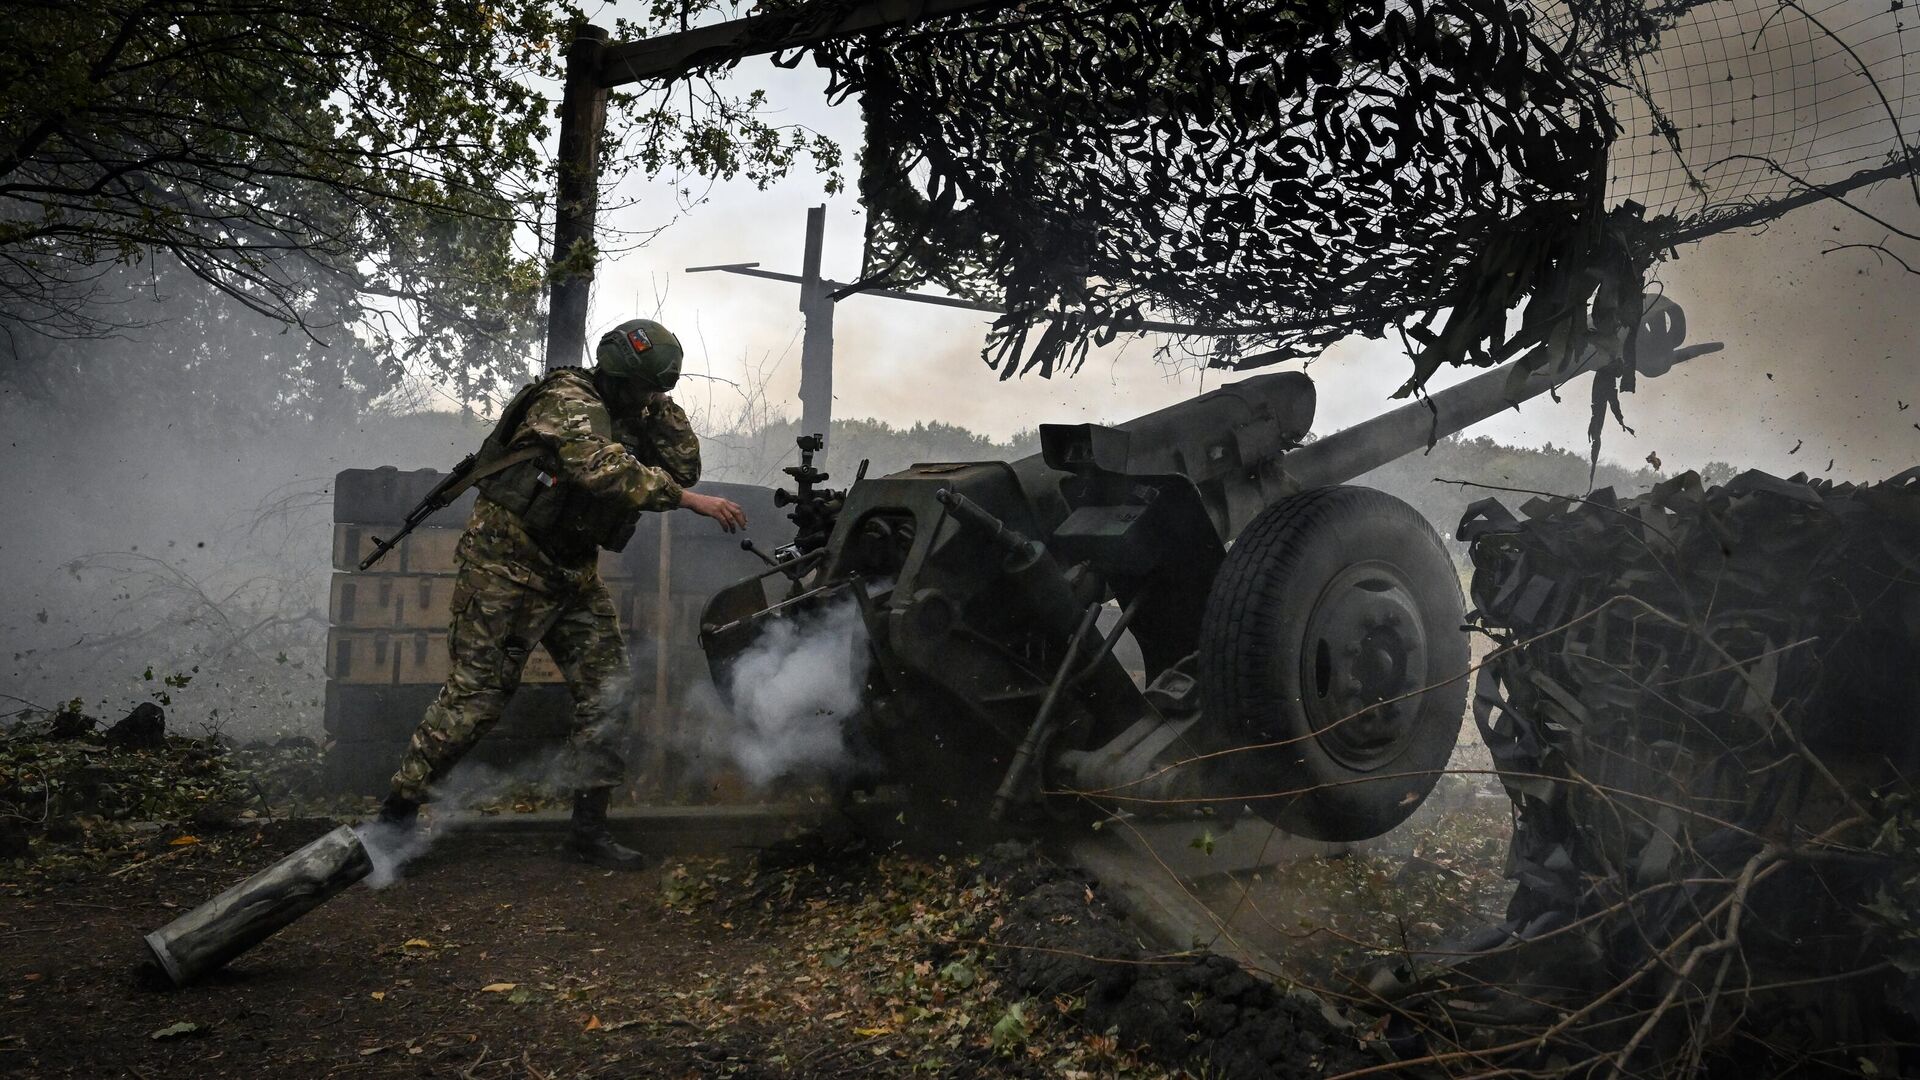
<point>76,793</point>
<point>201,362</point>
<point>276,151</point>
<point>197,179</point>
<point>1011,1031</point>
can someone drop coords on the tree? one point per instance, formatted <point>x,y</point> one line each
<point>204,363</point>
<point>369,171</point>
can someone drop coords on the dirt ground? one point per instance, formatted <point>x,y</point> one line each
<point>496,957</point>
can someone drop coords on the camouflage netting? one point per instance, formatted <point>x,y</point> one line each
<point>1280,174</point>
<point>1286,171</point>
<point>1704,708</point>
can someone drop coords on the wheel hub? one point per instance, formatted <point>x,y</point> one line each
<point>1365,651</point>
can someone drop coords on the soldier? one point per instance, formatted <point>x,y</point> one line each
<point>584,453</point>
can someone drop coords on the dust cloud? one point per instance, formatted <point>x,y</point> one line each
<point>188,564</point>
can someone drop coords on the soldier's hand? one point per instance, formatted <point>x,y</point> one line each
<point>725,511</point>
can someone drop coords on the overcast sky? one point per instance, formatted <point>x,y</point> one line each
<point>1836,333</point>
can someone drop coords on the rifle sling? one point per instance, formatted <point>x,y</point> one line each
<point>500,464</point>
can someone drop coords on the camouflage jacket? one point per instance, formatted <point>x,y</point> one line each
<point>646,463</point>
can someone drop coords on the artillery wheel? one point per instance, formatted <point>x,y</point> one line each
<point>1334,608</point>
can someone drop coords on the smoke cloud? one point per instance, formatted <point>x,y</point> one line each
<point>391,848</point>
<point>471,784</point>
<point>793,694</point>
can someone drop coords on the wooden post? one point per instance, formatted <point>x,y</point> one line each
<point>816,344</point>
<point>662,650</point>
<point>583,115</point>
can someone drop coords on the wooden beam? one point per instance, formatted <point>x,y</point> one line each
<point>816,343</point>
<point>676,54</point>
<point>1123,325</point>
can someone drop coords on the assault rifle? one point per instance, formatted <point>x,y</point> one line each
<point>448,489</point>
<point>469,472</point>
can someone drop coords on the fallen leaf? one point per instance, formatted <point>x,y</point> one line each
<point>174,1031</point>
<point>593,1024</point>
<point>497,988</point>
<point>183,840</point>
<point>868,1033</point>
<point>379,995</point>
<point>34,976</point>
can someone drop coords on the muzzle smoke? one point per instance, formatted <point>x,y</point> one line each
<point>794,693</point>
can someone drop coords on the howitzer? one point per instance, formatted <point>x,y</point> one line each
<point>1301,639</point>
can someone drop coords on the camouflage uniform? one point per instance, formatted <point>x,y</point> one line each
<point>513,592</point>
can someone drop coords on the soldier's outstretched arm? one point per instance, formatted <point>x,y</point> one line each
<point>725,511</point>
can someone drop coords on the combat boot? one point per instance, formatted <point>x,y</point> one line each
<point>400,812</point>
<point>591,841</point>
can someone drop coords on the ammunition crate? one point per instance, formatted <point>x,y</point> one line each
<point>422,659</point>
<point>390,600</point>
<point>425,551</point>
<point>385,496</point>
<point>359,658</point>
<point>352,543</point>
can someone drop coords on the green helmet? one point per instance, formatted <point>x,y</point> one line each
<point>642,350</point>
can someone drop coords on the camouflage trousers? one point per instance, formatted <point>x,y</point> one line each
<point>495,624</point>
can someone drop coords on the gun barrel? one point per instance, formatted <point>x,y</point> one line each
<point>1351,452</point>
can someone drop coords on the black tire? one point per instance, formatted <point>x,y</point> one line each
<point>1331,608</point>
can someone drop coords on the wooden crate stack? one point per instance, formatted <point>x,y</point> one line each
<point>387,636</point>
